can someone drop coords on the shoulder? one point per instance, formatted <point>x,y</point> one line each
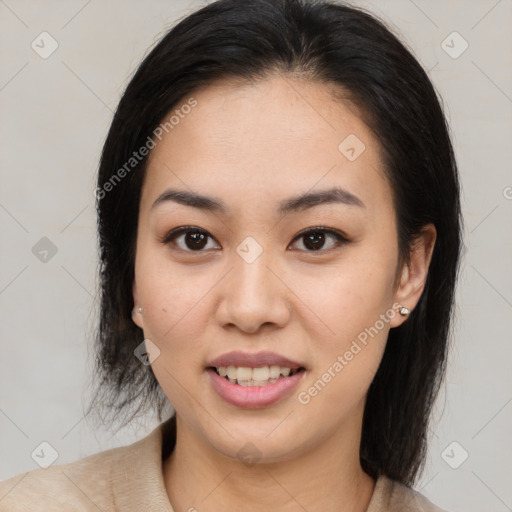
<point>397,497</point>
<point>82,485</point>
<point>124,478</point>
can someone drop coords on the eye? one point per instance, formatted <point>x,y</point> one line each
<point>192,239</point>
<point>315,239</point>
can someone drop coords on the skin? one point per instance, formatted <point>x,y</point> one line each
<point>252,146</point>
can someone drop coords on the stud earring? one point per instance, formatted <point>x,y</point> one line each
<point>404,311</point>
<point>138,310</point>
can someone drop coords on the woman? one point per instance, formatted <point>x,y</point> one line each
<point>279,229</point>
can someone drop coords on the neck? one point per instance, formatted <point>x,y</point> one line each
<point>327,477</point>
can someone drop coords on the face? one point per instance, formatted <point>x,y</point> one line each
<point>263,271</point>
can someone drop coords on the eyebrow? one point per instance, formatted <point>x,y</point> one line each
<point>293,204</point>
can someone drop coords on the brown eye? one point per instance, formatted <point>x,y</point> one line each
<point>188,238</point>
<point>315,239</point>
<point>195,240</point>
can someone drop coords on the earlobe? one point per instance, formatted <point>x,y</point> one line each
<point>414,274</point>
<point>137,310</point>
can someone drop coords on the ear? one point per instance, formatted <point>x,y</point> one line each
<point>414,274</point>
<point>136,316</point>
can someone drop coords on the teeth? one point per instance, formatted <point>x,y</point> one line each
<point>245,376</point>
<point>275,371</point>
<point>259,373</point>
<point>243,373</point>
<point>231,372</point>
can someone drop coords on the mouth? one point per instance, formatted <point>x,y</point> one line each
<point>254,380</point>
<point>251,377</point>
<point>254,388</point>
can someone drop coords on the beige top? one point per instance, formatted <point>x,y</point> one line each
<point>130,479</point>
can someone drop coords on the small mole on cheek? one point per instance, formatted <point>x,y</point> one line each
<point>164,310</point>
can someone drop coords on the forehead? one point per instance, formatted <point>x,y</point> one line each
<point>263,139</point>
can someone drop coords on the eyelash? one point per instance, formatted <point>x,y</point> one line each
<point>175,233</point>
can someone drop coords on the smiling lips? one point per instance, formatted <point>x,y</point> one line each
<point>254,380</point>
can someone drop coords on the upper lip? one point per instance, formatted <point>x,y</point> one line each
<point>256,360</point>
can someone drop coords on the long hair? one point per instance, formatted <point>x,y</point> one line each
<point>325,42</point>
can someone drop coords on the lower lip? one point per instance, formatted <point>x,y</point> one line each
<point>253,397</point>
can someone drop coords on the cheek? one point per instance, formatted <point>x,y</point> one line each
<point>350,296</point>
<point>355,308</point>
<point>175,302</point>
<point>175,320</point>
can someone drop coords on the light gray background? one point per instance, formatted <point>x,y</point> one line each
<point>55,113</point>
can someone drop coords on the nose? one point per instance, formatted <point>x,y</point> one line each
<point>253,297</point>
